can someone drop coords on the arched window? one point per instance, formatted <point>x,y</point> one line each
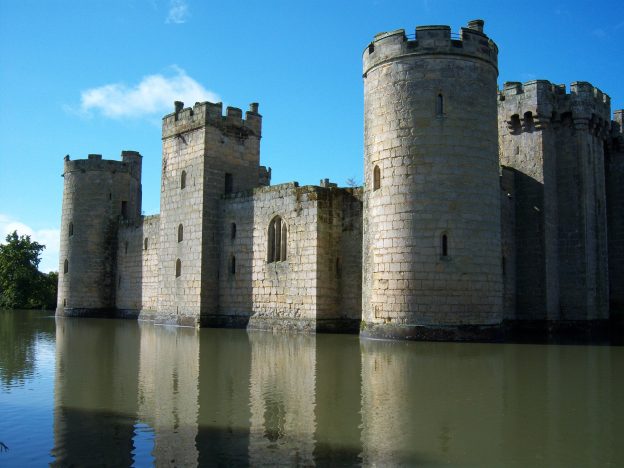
<point>440,105</point>
<point>376,178</point>
<point>145,242</point>
<point>65,266</point>
<point>178,268</point>
<point>180,233</point>
<point>277,240</point>
<point>233,265</point>
<point>233,231</point>
<point>183,180</point>
<point>71,229</point>
<point>444,245</point>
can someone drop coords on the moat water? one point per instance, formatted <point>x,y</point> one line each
<point>110,392</point>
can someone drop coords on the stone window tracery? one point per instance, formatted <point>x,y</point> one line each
<point>277,240</point>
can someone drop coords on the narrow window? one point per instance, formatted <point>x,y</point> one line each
<point>180,233</point>
<point>229,183</point>
<point>283,241</point>
<point>376,178</point>
<point>440,105</point>
<point>178,268</point>
<point>119,281</point>
<point>338,268</point>
<point>233,231</point>
<point>183,180</point>
<point>126,247</point>
<point>145,242</point>
<point>504,265</point>
<point>124,209</point>
<point>64,302</point>
<point>110,196</point>
<point>71,229</point>
<point>271,242</point>
<point>277,240</point>
<point>444,245</point>
<point>65,266</point>
<point>233,265</point>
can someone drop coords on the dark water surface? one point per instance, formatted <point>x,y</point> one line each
<point>108,392</point>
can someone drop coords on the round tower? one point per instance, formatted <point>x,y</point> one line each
<point>97,195</point>
<point>432,236</point>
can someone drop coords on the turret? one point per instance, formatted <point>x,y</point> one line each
<point>553,141</point>
<point>97,195</point>
<point>432,235</point>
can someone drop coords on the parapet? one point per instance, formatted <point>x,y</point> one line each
<point>208,113</point>
<point>428,40</point>
<point>130,163</point>
<point>537,103</point>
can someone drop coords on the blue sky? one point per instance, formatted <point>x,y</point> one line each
<point>95,76</point>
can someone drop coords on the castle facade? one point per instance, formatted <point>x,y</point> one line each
<point>480,208</point>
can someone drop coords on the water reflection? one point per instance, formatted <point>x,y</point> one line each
<point>95,391</point>
<point>168,392</point>
<point>128,393</point>
<point>19,332</point>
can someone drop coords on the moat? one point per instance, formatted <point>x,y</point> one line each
<point>112,392</point>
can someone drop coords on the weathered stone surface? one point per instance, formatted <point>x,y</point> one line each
<point>440,243</point>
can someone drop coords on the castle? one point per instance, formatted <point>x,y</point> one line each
<point>480,208</point>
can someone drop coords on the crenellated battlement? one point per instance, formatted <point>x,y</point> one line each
<point>537,103</point>
<point>208,113</point>
<point>130,163</point>
<point>431,40</point>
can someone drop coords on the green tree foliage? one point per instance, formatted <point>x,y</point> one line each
<point>22,285</point>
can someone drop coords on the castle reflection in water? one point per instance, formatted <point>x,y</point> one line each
<point>134,393</point>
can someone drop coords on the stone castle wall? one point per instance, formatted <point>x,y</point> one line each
<point>614,169</point>
<point>97,194</point>
<point>300,290</point>
<point>440,242</point>
<point>138,267</point>
<point>553,142</point>
<point>432,192</point>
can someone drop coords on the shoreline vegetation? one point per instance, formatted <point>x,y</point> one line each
<point>22,285</point>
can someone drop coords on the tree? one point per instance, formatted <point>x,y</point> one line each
<point>22,285</point>
<point>352,182</point>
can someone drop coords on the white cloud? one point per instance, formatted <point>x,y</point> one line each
<point>154,95</point>
<point>48,237</point>
<point>178,12</point>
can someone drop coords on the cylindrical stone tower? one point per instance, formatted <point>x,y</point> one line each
<point>432,265</point>
<point>97,195</point>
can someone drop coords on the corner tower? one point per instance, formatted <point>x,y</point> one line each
<point>97,194</point>
<point>432,234</point>
<point>205,155</point>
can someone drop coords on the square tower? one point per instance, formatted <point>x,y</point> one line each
<point>205,155</point>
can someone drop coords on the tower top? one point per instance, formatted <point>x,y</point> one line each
<point>471,42</point>
<point>209,113</point>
